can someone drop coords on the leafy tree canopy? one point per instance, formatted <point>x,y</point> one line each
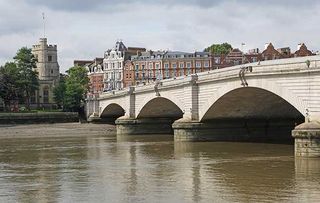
<point>9,90</point>
<point>28,78</point>
<point>59,91</point>
<point>218,49</point>
<point>76,87</point>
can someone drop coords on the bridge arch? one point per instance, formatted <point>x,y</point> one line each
<point>160,107</point>
<point>112,110</point>
<point>166,97</point>
<point>252,103</point>
<point>259,94</point>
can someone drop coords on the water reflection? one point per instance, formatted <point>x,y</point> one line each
<point>153,169</point>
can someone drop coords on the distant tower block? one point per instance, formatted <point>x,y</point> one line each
<point>48,72</point>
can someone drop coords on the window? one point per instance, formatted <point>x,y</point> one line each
<point>188,64</point>
<point>166,73</point>
<point>157,66</point>
<point>166,65</point>
<point>137,67</point>
<point>188,72</point>
<point>51,71</point>
<point>150,65</point>
<point>174,65</point>
<point>198,64</point>
<point>46,95</point>
<point>181,65</point>
<point>142,67</point>
<point>254,59</point>
<point>181,72</point>
<point>206,64</point>
<point>217,60</point>
<point>49,58</point>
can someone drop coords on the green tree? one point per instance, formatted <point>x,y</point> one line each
<point>76,87</point>
<point>9,89</point>
<point>218,49</point>
<point>28,78</point>
<point>59,91</point>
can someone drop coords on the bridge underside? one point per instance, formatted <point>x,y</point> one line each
<point>244,114</point>
<point>156,117</point>
<point>111,113</point>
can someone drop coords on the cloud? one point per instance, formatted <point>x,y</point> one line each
<point>85,29</point>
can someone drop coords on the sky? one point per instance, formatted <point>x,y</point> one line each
<point>84,29</point>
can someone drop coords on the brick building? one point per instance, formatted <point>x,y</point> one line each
<point>128,74</point>
<point>302,51</point>
<point>270,53</point>
<point>152,65</point>
<point>95,75</point>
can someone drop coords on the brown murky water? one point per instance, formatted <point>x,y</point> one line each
<point>153,169</point>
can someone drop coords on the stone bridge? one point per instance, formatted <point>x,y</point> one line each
<point>261,101</point>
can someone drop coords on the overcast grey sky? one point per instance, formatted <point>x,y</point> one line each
<point>84,29</point>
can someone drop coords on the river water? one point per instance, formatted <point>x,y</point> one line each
<point>153,169</point>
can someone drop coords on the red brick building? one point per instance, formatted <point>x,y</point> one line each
<point>95,74</point>
<point>302,51</point>
<point>150,65</point>
<point>270,53</point>
<point>128,74</point>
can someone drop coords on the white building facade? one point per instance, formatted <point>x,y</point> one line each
<point>113,64</point>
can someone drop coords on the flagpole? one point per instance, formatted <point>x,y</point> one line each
<point>44,26</point>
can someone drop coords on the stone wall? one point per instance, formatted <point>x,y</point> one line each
<point>45,117</point>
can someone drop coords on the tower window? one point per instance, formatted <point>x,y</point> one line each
<point>49,58</point>
<point>51,71</point>
<point>46,95</point>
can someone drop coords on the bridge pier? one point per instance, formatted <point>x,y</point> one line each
<point>129,126</point>
<point>307,139</point>
<point>234,130</point>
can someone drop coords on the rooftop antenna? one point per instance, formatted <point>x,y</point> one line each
<point>44,25</point>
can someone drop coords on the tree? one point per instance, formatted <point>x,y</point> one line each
<point>28,78</point>
<point>218,49</point>
<point>76,87</point>
<point>59,91</point>
<point>9,89</point>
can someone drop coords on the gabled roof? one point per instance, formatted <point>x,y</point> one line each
<point>120,46</point>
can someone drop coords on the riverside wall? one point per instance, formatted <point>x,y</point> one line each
<point>43,117</point>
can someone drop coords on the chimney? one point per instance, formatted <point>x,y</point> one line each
<point>299,46</point>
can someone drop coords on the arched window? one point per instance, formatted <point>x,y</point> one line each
<point>46,94</point>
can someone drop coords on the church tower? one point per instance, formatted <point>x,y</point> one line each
<point>48,72</point>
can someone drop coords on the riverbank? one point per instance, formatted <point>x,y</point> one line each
<point>55,130</point>
<point>38,117</point>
